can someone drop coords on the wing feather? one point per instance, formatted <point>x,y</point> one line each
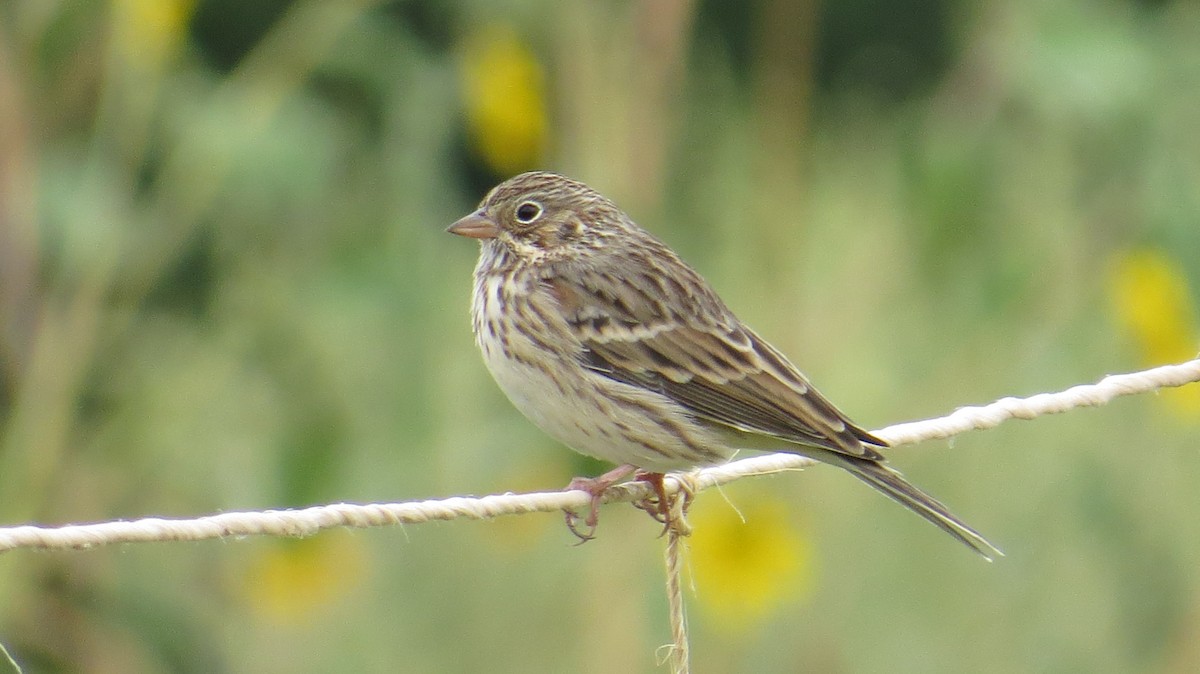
<point>700,356</point>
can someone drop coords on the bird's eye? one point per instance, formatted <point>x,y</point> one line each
<point>528,211</point>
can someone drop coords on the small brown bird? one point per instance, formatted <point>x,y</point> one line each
<point>611,344</point>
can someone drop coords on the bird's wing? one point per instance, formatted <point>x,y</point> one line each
<point>694,351</point>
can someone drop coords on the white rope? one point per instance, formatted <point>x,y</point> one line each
<point>677,529</point>
<point>308,521</point>
<point>679,637</point>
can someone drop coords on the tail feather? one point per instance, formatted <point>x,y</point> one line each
<point>893,485</point>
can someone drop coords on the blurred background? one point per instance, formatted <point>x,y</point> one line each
<point>225,285</point>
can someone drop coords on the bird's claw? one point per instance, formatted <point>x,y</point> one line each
<point>594,487</point>
<point>590,522</point>
<point>670,511</point>
<point>657,505</point>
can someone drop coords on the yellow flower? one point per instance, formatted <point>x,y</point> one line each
<point>505,105</point>
<point>1152,302</point>
<point>744,571</point>
<point>293,580</point>
<point>148,32</point>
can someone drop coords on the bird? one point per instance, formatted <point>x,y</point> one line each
<point>610,343</point>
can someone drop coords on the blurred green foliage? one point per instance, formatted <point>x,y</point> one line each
<point>224,285</point>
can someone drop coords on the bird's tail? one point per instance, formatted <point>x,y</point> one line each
<point>894,485</point>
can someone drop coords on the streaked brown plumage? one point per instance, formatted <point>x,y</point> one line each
<point>610,343</point>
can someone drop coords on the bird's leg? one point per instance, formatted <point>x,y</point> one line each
<point>660,506</point>
<point>594,486</point>
<point>657,506</point>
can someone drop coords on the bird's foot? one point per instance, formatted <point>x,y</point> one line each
<point>595,487</point>
<point>670,510</point>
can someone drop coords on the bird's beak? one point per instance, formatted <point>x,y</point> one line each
<point>475,226</point>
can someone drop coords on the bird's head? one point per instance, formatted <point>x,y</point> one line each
<point>542,216</point>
